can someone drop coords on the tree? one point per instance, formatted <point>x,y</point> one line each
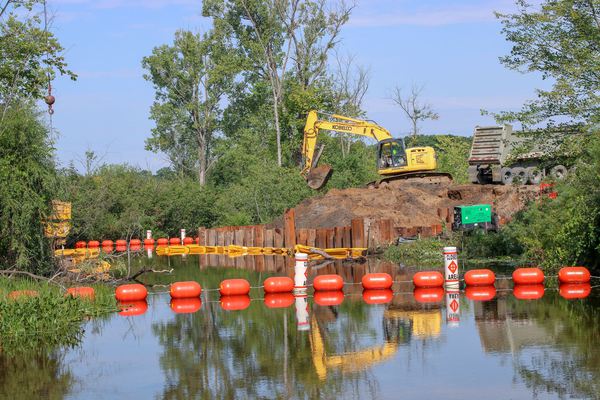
<point>30,55</point>
<point>279,38</point>
<point>190,78</point>
<point>561,40</point>
<point>412,106</point>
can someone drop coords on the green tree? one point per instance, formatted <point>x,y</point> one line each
<point>27,173</point>
<point>453,156</point>
<point>190,78</point>
<point>561,40</point>
<point>30,55</point>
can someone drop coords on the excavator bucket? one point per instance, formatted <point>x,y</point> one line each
<point>318,177</point>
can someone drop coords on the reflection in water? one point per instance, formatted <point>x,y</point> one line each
<point>398,345</point>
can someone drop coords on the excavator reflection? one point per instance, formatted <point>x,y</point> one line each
<point>401,323</point>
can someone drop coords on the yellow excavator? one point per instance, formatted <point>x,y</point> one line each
<point>394,160</point>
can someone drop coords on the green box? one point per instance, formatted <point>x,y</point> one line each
<point>477,214</point>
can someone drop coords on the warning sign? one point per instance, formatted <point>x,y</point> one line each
<point>454,305</point>
<point>453,267</point>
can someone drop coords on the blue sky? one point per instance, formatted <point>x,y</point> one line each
<point>451,47</point>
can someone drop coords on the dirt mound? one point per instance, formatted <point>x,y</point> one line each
<point>409,203</point>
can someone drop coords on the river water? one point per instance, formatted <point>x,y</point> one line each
<point>412,347</point>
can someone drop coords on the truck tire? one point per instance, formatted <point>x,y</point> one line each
<point>519,175</point>
<point>507,176</point>
<point>534,175</point>
<point>559,172</point>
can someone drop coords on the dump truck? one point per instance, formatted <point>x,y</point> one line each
<point>500,156</point>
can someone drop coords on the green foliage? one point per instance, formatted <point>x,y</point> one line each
<point>29,54</point>
<point>453,156</point>
<point>28,178</point>
<point>48,320</point>
<point>560,39</point>
<point>426,252</point>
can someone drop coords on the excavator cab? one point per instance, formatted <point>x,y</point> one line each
<point>391,153</point>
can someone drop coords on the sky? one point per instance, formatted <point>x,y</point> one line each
<point>449,47</point>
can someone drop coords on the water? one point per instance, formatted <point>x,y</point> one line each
<point>500,349</point>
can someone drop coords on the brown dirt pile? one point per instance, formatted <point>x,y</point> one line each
<point>407,204</point>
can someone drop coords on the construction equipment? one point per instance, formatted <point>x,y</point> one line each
<point>472,217</point>
<point>394,160</point>
<point>500,156</point>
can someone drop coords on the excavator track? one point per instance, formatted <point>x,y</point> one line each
<point>425,177</point>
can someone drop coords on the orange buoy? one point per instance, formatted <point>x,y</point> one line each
<point>480,277</point>
<point>186,289</point>
<point>84,292</point>
<point>149,242</point>
<point>480,293</point>
<point>174,241</point>
<point>17,294</point>
<point>93,244</point>
<point>528,276</point>
<point>379,280</point>
<point>278,284</point>
<point>528,292</point>
<point>135,242</point>
<point>121,242</point>
<point>572,291</point>
<point>121,248</point>
<point>378,296</point>
<point>80,245</point>
<point>574,275</point>
<point>162,241</point>
<point>134,247</point>
<point>197,240</point>
<point>429,295</point>
<point>234,287</point>
<point>330,282</point>
<point>107,243</point>
<point>148,247</point>
<point>188,240</point>
<point>131,292</point>
<point>186,306</point>
<point>133,308</point>
<point>329,298</point>
<point>279,300</point>
<point>236,302</point>
<point>428,279</point>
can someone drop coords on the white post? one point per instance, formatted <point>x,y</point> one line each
<point>148,234</point>
<point>182,235</point>
<point>452,308</point>
<point>302,312</point>
<point>301,273</point>
<point>451,267</point>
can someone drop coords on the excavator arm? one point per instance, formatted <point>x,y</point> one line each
<point>317,176</point>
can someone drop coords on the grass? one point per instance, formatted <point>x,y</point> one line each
<point>48,320</point>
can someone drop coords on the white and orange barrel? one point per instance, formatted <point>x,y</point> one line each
<point>451,267</point>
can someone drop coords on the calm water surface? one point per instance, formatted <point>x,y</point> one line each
<point>500,349</point>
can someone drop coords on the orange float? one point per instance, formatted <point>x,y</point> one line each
<point>134,247</point>
<point>480,293</point>
<point>80,245</point>
<point>330,282</point>
<point>188,240</point>
<point>84,292</point>
<point>429,295</point>
<point>528,292</point>
<point>379,280</point>
<point>528,276</point>
<point>186,306</point>
<point>133,308</point>
<point>480,277</point>
<point>278,284</point>
<point>234,287</point>
<point>162,242</point>
<point>93,244</point>
<point>377,296</point>
<point>17,294</point>
<point>574,275</point>
<point>426,279</point>
<point>572,291</point>
<point>279,300</point>
<point>186,289</point>
<point>121,242</point>
<point>235,303</point>
<point>149,242</point>
<point>135,242</point>
<point>174,241</point>
<point>107,243</point>
<point>329,298</point>
<point>131,292</point>
<point>121,248</point>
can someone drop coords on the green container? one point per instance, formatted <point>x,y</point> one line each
<point>477,214</point>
